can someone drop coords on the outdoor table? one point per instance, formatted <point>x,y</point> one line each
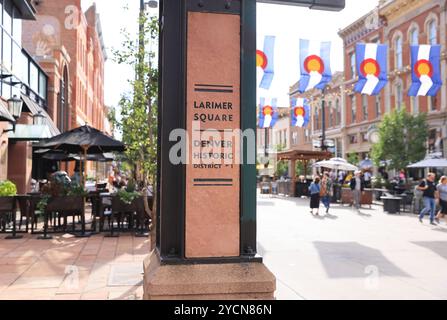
<point>391,204</point>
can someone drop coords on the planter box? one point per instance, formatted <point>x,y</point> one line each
<point>66,205</point>
<point>7,204</point>
<point>347,197</point>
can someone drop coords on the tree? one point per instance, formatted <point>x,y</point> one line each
<point>353,158</point>
<point>403,139</point>
<point>138,108</point>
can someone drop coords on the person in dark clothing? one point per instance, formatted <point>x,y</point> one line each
<point>357,186</point>
<point>314,190</point>
<point>428,186</point>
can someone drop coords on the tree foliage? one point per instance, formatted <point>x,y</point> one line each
<point>403,139</point>
<point>139,108</point>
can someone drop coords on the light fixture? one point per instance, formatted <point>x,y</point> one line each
<point>152,4</point>
<point>39,119</point>
<point>15,105</point>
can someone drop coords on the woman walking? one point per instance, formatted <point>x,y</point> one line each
<point>315,190</point>
<point>326,191</point>
<point>442,194</point>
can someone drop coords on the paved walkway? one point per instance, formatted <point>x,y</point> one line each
<point>68,268</point>
<point>350,255</point>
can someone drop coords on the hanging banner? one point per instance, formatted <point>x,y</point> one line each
<point>265,61</point>
<point>371,68</point>
<point>315,65</point>
<point>268,114</point>
<point>300,113</point>
<point>426,70</point>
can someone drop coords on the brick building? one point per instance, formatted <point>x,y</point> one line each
<point>398,24</point>
<point>68,44</point>
<point>23,80</point>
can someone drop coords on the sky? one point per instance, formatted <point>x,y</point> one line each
<point>287,23</point>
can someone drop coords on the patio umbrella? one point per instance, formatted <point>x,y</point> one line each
<point>83,140</point>
<point>336,164</point>
<point>366,164</point>
<point>430,163</point>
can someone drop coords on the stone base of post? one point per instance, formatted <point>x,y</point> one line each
<point>224,281</point>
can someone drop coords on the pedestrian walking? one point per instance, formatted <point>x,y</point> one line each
<point>357,186</point>
<point>315,190</point>
<point>442,194</point>
<point>326,191</point>
<point>429,188</point>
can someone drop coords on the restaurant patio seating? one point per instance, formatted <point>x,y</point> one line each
<point>8,212</point>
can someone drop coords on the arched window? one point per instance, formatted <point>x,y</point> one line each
<point>432,32</point>
<point>337,112</point>
<point>414,37</point>
<point>353,65</point>
<point>398,50</point>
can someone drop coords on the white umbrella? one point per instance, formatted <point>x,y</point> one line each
<point>430,163</point>
<point>336,164</point>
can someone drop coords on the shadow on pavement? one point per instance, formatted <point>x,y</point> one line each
<point>352,260</point>
<point>438,247</point>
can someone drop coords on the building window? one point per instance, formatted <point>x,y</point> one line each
<point>432,33</point>
<point>337,112</point>
<point>317,119</point>
<point>353,139</point>
<point>365,107</point>
<point>295,138</point>
<point>415,105</point>
<point>7,51</point>
<point>364,137</point>
<point>432,103</point>
<point>398,48</point>
<point>331,115</point>
<point>399,96</point>
<point>378,103</point>
<point>414,37</point>
<point>353,109</point>
<point>353,65</point>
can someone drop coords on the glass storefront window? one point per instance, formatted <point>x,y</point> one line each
<point>34,78</point>
<point>17,27</point>
<point>7,17</point>
<point>7,51</point>
<point>42,85</point>
<point>25,70</point>
<point>17,63</point>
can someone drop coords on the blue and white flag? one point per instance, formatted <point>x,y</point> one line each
<point>372,68</point>
<point>265,61</point>
<point>426,70</point>
<point>300,112</point>
<point>268,113</point>
<point>315,64</point>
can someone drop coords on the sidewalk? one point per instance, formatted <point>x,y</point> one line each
<point>350,255</point>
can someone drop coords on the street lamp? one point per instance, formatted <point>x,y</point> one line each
<point>15,105</point>
<point>39,119</point>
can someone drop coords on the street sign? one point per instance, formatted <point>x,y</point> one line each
<point>327,5</point>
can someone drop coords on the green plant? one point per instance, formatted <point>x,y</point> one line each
<point>7,189</point>
<point>126,196</point>
<point>77,190</point>
<point>42,204</point>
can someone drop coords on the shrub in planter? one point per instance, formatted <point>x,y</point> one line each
<point>7,189</point>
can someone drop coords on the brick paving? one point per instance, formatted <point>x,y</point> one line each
<point>69,268</point>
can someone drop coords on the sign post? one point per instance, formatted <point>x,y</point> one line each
<point>205,224</point>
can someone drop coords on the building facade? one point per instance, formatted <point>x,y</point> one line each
<point>24,80</point>
<point>69,46</point>
<point>398,24</point>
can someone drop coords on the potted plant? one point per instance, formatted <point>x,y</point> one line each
<point>8,191</point>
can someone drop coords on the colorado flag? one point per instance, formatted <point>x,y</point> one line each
<point>315,65</point>
<point>300,113</point>
<point>372,68</point>
<point>426,70</point>
<point>268,114</point>
<point>264,60</point>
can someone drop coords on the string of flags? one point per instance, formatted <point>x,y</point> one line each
<point>316,73</point>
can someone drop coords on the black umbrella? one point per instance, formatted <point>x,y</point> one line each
<point>83,140</point>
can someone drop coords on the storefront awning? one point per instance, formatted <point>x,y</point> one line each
<point>34,109</point>
<point>4,113</point>
<point>25,132</point>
